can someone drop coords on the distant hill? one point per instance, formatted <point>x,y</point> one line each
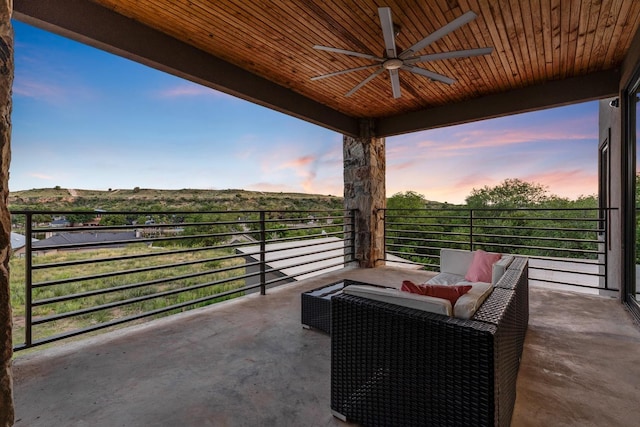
<point>138,199</point>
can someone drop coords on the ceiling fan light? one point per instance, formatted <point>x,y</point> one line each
<point>392,64</point>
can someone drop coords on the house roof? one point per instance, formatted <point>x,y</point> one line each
<point>546,53</point>
<point>19,240</point>
<point>83,238</point>
<point>317,263</point>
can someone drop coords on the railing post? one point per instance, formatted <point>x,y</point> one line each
<point>352,235</point>
<point>606,249</point>
<point>28,264</point>
<point>263,248</point>
<point>471,229</point>
<point>384,234</point>
<point>349,236</point>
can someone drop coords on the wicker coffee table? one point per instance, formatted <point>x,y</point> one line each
<point>316,306</point>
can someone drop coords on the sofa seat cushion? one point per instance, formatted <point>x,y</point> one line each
<point>464,308</point>
<point>445,279</point>
<point>468,304</point>
<point>401,298</point>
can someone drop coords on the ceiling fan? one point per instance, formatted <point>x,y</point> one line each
<point>405,60</point>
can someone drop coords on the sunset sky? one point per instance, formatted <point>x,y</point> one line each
<point>86,119</point>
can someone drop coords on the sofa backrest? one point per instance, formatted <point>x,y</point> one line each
<point>457,261</point>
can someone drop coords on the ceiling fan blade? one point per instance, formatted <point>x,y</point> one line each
<point>395,83</point>
<point>430,74</point>
<point>337,73</point>
<point>453,54</point>
<point>365,81</point>
<point>438,34</point>
<point>348,52</point>
<point>386,22</point>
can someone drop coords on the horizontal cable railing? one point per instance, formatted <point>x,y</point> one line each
<point>77,279</point>
<point>564,246</point>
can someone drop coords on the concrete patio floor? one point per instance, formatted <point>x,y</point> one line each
<point>248,362</point>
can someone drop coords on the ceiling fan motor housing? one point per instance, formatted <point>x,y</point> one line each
<point>392,64</point>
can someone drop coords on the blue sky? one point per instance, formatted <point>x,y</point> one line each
<point>86,119</point>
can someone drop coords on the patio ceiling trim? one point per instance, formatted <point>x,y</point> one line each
<point>96,26</point>
<point>557,93</point>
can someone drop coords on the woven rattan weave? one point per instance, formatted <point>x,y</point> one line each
<point>396,366</point>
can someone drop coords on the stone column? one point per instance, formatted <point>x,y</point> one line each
<point>6,342</point>
<point>364,191</point>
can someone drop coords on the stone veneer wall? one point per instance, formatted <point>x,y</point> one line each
<point>6,343</point>
<point>364,191</point>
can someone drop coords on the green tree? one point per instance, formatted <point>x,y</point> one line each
<point>406,200</point>
<point>570,222</point>
<point>79,218</point>
<point>410,228</point>
<point>113,220</point>
<point>511,193</point>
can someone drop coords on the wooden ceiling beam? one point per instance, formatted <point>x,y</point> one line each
<point>599,85</point>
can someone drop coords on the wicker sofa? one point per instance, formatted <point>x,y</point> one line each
<point>399,366</point>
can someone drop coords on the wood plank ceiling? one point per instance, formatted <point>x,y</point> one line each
<point>535,42</point>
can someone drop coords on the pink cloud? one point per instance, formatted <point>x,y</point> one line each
<point>488,138</point>
<point>496,133</point>
<point>37,90</point>
<point>454,188</point>
<point>475,180</point>
<point>270,187</point>
<point>567,183</point>
<point>446,164</point>
<point>307,168</point>
<point>402,166</point>
<point>397,149</point>
<point>300,162</point>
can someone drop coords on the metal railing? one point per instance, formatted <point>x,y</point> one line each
<point>564,246</point>
<point>133,265</point>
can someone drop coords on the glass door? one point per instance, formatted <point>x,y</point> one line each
<point>630,160</point>
<point>633,195</point>
<point>634,126</point>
